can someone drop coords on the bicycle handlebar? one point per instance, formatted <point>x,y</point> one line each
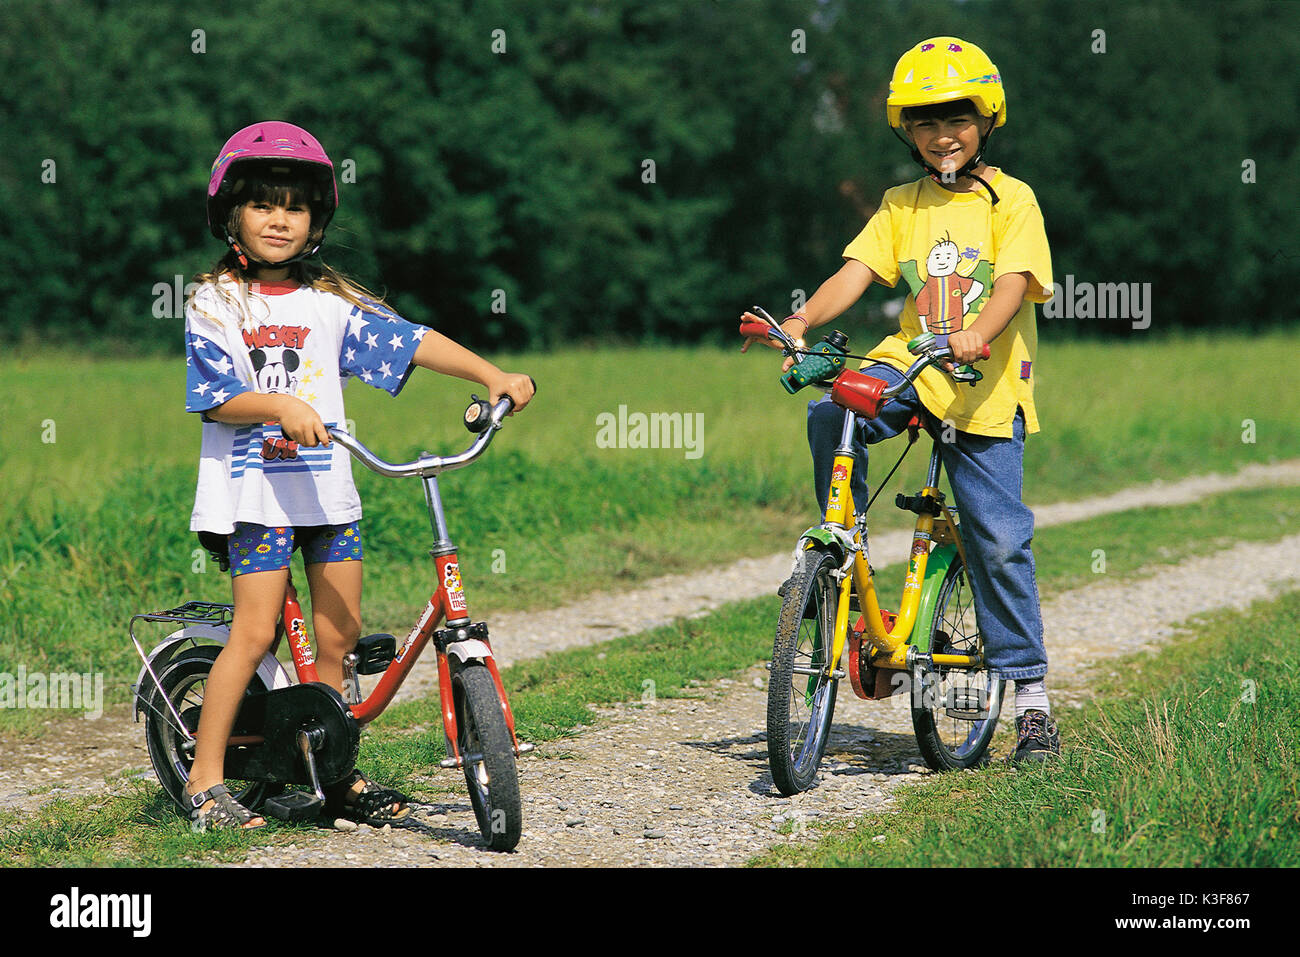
<point>427,465</point>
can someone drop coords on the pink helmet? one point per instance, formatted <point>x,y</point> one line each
<point>270,144</point>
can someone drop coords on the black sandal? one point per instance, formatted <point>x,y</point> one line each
<point>371,805</point>
<point>225,811</point>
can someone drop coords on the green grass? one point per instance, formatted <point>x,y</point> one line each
<point>551,696</point>
<point>1067,557</point>
<point>1187,759</point>
<point>97,518</point>
<point>136,825</point>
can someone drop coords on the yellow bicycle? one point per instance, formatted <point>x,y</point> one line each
<point>931,649</point>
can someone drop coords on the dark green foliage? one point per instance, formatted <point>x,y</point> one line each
<point>524,170</point>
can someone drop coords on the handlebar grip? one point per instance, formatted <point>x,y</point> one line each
<point>987,351</point>
<point>754,330</point>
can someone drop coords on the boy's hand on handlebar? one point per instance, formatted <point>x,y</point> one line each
<point>301,423</point>
<point>798,325</point>
<point>518,386</point>
<point>967,345</point>
<point>762,340</point>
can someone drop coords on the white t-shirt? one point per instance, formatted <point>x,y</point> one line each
<point>301,342</point>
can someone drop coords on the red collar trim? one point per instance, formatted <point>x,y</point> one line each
<point>277,288</point>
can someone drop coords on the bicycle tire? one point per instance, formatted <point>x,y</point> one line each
<point>491,775</point>
<point>955,710</point>
<point>171,762</point>
<point>795,742</point>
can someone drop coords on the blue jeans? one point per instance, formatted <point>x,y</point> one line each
<point>987,477</point>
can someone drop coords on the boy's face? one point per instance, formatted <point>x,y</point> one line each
<point>948,142</point>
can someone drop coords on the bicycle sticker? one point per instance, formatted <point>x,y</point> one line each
<point>298,634</point>
<point>415,632</point>
<point>455,594</point>
<point>839,473</point>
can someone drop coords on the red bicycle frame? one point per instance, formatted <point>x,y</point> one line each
<point>447,603</point>
<point>448,599</point>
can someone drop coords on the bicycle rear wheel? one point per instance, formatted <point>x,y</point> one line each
<point>955,710</point>
<point>182,684</point>
<point>489,752</point>
<point>800,689</point>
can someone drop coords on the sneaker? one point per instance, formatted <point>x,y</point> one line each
<point>1036,737</point>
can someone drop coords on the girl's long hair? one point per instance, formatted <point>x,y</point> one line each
<point>311,273</point>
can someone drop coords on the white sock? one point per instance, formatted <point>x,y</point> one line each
<point>1032,695</point>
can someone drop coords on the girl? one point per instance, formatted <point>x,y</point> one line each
<point>271,338</point>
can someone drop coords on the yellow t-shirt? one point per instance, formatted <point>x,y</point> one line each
<point>951,248</point>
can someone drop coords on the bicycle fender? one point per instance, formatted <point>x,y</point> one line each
<point>269,669</point>
<point>470,648</point>
<point>824,537</point>
<point>940,560</point>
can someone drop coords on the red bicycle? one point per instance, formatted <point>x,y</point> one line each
<point>306,733</point>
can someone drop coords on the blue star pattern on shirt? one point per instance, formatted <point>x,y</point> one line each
<point>379,346</point>
<point>209,379</point>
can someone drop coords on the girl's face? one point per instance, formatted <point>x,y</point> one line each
<point>274,231</point>
<point>947,143</point>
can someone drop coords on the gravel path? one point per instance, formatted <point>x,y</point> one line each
<point>685,781</point>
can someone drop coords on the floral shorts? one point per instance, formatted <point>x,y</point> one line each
<point>256,548</point>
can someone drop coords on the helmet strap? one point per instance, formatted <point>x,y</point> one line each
<point>246,258</point>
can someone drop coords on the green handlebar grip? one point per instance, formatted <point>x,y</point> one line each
<point>824,362</point>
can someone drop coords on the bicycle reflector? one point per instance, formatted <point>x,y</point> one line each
<point>859,392</point>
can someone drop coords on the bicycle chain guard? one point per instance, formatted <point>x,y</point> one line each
<point>278,716</point>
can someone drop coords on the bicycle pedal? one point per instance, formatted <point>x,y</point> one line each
<point>294,806</point>
<point>375,653</point>
<point>968,705</point>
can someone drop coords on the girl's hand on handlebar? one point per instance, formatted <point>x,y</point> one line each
<point>301,423</point>
<point>967,345</point>
<point>518,386</point>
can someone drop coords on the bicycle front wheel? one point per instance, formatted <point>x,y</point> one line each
<point>955,709</point>
<point>489,752</point>
<point>801,690</point>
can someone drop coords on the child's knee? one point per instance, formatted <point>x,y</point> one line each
<point>338,634</point>
<point>250,644</point>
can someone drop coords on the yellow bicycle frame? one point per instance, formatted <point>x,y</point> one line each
<point>891,645</point>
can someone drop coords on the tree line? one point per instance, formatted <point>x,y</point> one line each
<point>525,175</point>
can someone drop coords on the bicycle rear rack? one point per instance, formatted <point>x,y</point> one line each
<point>190,613</point>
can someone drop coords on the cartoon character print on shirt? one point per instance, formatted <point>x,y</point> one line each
<point>273,351</point>
<point>947,297</point>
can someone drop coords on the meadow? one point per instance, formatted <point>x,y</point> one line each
<point>98,461</point>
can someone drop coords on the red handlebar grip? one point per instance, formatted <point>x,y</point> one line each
<point>754,330</point>
<point>987,352</point>
<point>859,392</point>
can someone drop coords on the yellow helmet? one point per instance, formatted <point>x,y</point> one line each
<point>941,70</point>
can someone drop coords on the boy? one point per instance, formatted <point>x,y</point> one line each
<point>970,243</point>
